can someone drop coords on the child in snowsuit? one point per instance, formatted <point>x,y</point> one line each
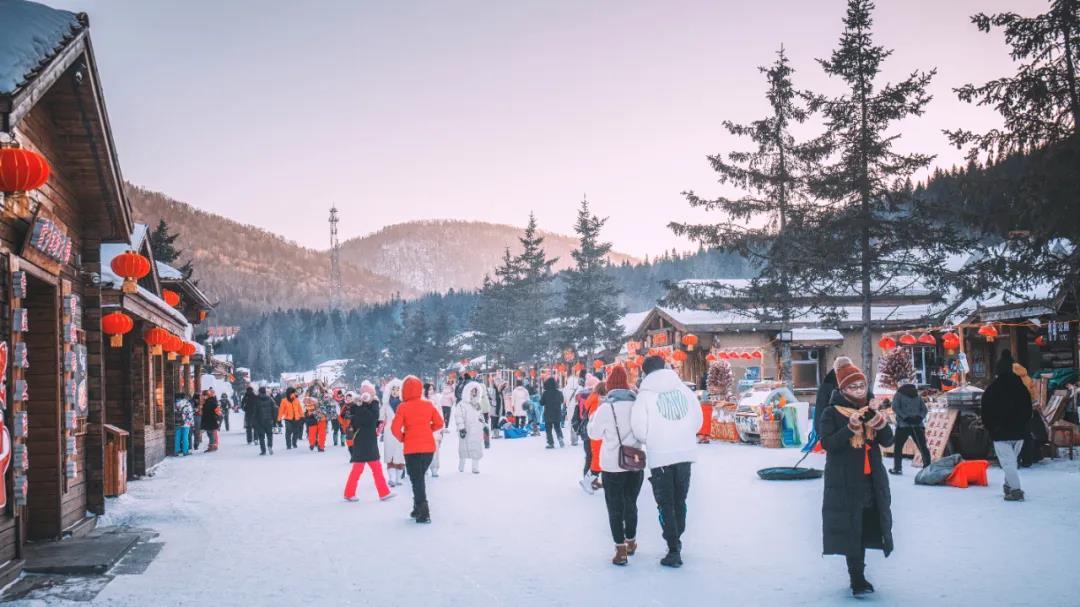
<point>469,419</point>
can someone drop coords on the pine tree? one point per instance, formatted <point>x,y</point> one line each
<point>869,241</point>
<point>767,224</point>
<point>162,246</point>
<point>531,309</point>
<point>416,344</point>
<point>591,314</point>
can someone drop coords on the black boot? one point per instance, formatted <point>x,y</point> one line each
<point>859,584</point>
<point>674,556</point>
<point>415,510</point>
<point>423,515</point>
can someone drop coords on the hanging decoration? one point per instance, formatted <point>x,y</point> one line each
<point>568,355</point>
<point>927,339</point>
<point>18,284</point>
<point>579,367</point>
<point>202,315</point>
<point>989,331</point>
<point>21,394</point>
<point>20,320</point>
<point>156,338</point>
<point>886,343</point>
<point>689,340</point>
<point>116,325</point>
<point>710,358</point>
<point>951,342</point>
<point>172,346</point>
<point>1040,341</point>
<point>22,170</point>
<point>3,377</point>
<point>131,267</point>
<point>679,356</point>
<point>598,364</point>
<point>21,359</point>
<point>907,339</point>
<point>171,297</point>
<point>757,354</point>
<point>186,352</point>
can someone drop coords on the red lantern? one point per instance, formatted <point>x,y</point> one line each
<point>22,170</point>
<point>532,373</point>
<point>172,346</point>
<point>689,340</point>
<point>989,331</point>
<point>757,354</point>
<point>561,368</point>
<point>568,355</point>
<point>597,364</point>
<point>1040,341</point>
<point>710,358</point>
<point>632,347</point>
<point>131,267</point>
<point>927,339</point>
<point>116,325</point>
<point>659,339</point>
<point>156,338</point>
<point>186,351</point>
<point>578,367</point>
<point>202,315</point>
<point>746,356</point>
<point>886,343</point>
<point>171,297</point>
<point>679,356</point>
<point>907,339</point>
<point>950,341</point>
<point>519,374</point>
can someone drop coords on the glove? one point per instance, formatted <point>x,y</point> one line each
<point>461,434</point>
<point>878,422</point>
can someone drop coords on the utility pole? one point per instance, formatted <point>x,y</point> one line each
<point>335,261</point>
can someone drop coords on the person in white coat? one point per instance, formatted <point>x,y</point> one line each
<point>569,392</point>
<point>393,450</point>
<point>431,395</point>
<point>519,399</point>
<point>485,407</point>
<point>666,417</point>
<point>610,424</point>
<point>469,419</point>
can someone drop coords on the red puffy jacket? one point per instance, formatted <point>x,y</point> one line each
<point>416,419</point>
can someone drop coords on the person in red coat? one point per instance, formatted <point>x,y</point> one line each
<point>414,424</point>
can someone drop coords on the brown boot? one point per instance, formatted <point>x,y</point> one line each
<point>620,555</point>
<point>631,547</point>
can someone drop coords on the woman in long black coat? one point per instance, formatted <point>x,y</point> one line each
<point>856,512</point>
<point>363,423</point>
<point>211,421</point>
<point>552,402</point>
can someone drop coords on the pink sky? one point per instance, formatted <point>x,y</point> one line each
<point>270,111</point>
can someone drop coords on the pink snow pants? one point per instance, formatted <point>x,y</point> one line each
<point>354,478</point>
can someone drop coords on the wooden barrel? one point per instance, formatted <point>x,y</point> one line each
<point>770,434</point>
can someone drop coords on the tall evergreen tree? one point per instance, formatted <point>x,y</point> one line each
<point>871,241</point>
<point>766,225</point>
<point>163,247</point>
<point>531,307</point>
<point>590,314</point>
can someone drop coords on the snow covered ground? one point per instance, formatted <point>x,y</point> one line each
<point>244,529</point>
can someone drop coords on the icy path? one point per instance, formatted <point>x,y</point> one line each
<point>243,529</point>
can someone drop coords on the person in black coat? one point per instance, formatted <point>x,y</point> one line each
<point>211,420</point>
<point>824,396</point>
<point>264,417</point>
<point>247,405</point>
<point>363,425</point>
<point>552,402</point>
<point>856,511</point>
<point>1006,412</point>
<point>910,411</point>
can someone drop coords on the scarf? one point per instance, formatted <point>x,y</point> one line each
<point>859,441</point>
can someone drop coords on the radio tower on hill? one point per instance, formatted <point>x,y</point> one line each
<point>335,262</point>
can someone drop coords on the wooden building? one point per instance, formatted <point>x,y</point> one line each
<point>50,264</point>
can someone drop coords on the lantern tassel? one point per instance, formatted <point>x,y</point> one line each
<point>130,286</point>
<point>116,341</point>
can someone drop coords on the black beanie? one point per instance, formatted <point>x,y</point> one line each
<point>652,363</point>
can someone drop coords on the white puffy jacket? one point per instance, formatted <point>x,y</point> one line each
<point>611,422</point>
<point>518,398</point>
<point>467,417</point>
<point>666,417</point>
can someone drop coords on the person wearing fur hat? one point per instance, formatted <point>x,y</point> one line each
<point>856,510</point>
<point>363,422</point>
<point>393,450</point>
<point>414,425</point>
<point>469,420</point>
<point>610,426</point>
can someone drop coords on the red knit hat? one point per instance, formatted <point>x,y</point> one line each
<point>846,372</point>
<point>616,379</point>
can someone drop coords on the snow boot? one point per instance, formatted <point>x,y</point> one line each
<point>620,555</point>
<point>896,471</point>
<point>388,496</point>
<point>352,499</point>
<point>631,546</point>
<point>423,514</point>
<point>597,484</point>
<point>476,466</point>
<point>587,484</point>
<point>562,445</point>
<point>860,586</point>
<point>415,510</point>
<point>271,450</point>
<point>549,446</point>
<point>461,465</point>
<point>673,559</point>
<point>1007,490</point>
<point>1015,495</point>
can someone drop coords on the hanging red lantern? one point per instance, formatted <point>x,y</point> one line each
<point>659,339</point>
<point>131,267</point>
<point>989,331</point>
<point>561,368</point>
<point>519,374</point>
<point>927,339</point>
<point>568,355</point>
<point>597,364</point>
<point>632,347</point>
<point>579,367</point>
<point>532,373</point>
<point>950,341</point>
<point>710,358</point>
<point>172,346</point>
<point>745,356</point>
<point>1040,341</point>
<point>679,356</point>
<point>116,325</point>
<point>886,343</point>
<point>186,352</point>
<point>22,170</point>
<point>907,339</point>
<point>171,297</point>
<point>689,340</point>
<point>757,354</point>
<point>202,315</point>
<point>156,338</point>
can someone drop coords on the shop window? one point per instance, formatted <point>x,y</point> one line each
<point>159,391</point>
<point>925,360</point>
<point>805,368</point>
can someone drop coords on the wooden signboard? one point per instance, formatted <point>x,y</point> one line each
<point>939,426</point>
<point>1054,409</point>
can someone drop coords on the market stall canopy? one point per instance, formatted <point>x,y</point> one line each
<point>816,336</point>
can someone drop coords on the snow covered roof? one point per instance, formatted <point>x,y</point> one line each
<point>705,320</point>
<point>805,334</point>
<point>900,286</point>
<point>631,323</point>
<point>336,363</point>
<point>31,34</point>
<point>109,279</point>
<point>225,358</point>
<point>167,272</point>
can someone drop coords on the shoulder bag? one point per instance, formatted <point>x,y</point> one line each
<point>631,459</point>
